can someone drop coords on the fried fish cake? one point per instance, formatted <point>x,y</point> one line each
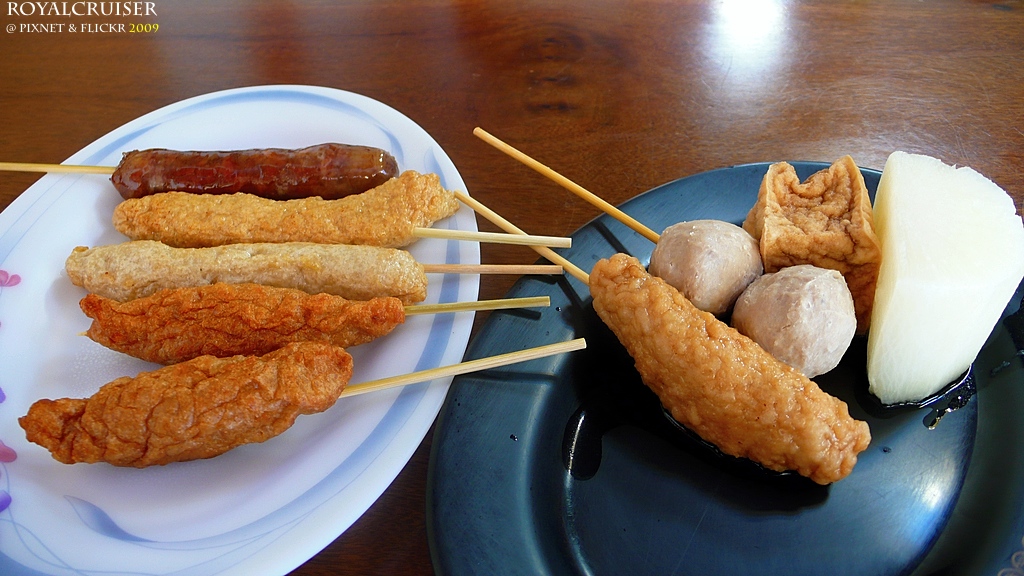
<point>722,385</point>
<point>825,221</point>
<point>139,268</point>
<point>222,320</point>
<point>383,216</point>
<point>197,409</point>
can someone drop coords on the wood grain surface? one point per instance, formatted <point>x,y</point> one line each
<point>618,96</point>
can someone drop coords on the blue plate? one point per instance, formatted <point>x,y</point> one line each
<point>567,465</point>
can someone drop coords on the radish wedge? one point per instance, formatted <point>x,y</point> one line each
<point>952,256</point>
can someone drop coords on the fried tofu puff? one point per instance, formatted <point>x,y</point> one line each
<point>825,221</point>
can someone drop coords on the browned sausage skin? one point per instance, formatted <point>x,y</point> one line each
<point>327,170</point>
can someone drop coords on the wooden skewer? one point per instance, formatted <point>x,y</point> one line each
<point>497,238</point>
<point>569,185</point>
<point>477,305</point>
<point>507,226</point>
<point>472,306</point>
<point>515,269</point>
<point>518,239</point>
<point>466,367</point>
<point>62,168</point>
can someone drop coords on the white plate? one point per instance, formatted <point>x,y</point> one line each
<point>259,509</point>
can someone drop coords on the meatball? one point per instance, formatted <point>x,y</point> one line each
<point>710,262</point>
<point>803,315</point>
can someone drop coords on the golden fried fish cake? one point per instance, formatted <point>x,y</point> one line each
<point>382,216</point>
<point>825,221</point>
<point>196,409</point>
<point>722,385</point>
<point>224,320</point>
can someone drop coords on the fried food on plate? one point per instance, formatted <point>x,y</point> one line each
<point>222,320</point>
<point>722,385</point>
<point>383,216</point>
<point>140,268</point>
<point>196,409</point>
<point>825,221</point>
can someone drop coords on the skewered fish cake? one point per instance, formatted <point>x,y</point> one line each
<point>721,384</point>
<point>196,409</point>
<point>140,268</point>
<point>383,216</point>
<point>222,320</point>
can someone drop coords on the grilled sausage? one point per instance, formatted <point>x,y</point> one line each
<point>326,170</point>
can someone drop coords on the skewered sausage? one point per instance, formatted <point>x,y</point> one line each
<point>196,409</point>
<point>326,170</point>
<point>224,320</point>
<point>384,216</point>
<point>719,383</point>
<point>135,269</point>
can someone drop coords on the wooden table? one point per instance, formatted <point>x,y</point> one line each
<point>618,96</point>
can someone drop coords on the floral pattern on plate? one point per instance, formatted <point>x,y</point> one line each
<point>7,280</point>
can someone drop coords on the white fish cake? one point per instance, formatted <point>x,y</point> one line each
<point>140,268</point>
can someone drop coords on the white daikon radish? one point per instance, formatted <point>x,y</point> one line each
<point>952,256</point>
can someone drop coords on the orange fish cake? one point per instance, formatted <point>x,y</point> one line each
<point>223,320</point>
<point>721,384</point>
<point>383,216</point>
<point>196,409</point>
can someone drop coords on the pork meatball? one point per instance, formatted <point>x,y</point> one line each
<point>710,262</point>
<point>803,315</point>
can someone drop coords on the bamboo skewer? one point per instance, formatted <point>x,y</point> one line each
<point>517,239</point>
<point>494,237</point>
<point>57,168</point>
<point>466,367</point>
<point>569,185</point>
<point>471,306</point>
<point>507,226</point>
<point>478,305</point>
<point>515,269</point>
